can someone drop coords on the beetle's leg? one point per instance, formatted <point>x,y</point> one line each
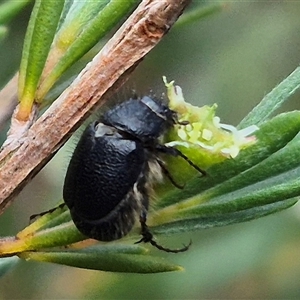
<point>34,217</point>
<point>184,123</point>
<point>175,152</point>
<point>168,174</point>
<point>148,237</point>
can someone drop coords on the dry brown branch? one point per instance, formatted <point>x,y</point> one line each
<point>138,35</point>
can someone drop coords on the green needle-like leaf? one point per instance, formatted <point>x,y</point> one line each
<point>86,23</point>
<point>63,234</point>
<point>130,259</point>
<point>262,193</point>
<point>225,219</point>
<point>40,32</point>
<point>57,216</point>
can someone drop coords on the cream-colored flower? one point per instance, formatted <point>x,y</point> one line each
<point>204,130</point>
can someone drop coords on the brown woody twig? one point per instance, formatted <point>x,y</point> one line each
<point>112,65</point>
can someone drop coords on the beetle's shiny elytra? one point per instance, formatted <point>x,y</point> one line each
<point>100,182</point>
<point>110,173</point>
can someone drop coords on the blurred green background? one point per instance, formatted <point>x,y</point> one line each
<point>232,58</point>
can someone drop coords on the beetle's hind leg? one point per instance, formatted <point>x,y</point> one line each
<point>147,237</point>
<point>36,216</point>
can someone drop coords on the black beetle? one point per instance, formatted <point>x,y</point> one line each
<point>113,166</point>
